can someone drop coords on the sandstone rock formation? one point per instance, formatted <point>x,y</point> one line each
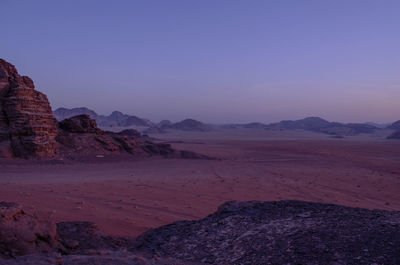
<point>27,240</point>
<point>27,124</point>
<point>29,129</point>
<point>79,136</point>
<point>23,234</point>
<point>80,124</point>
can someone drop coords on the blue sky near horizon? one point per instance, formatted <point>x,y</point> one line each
<point>216,61</point>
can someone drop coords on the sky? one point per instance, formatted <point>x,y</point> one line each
<point>213,60</point>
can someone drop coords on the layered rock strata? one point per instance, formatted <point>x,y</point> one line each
<point>26,119</point>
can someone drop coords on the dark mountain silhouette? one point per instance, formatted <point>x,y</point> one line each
<point>164,124</point>
<point>185,125</point>
<point>317,124</point>
<point>189,125</point>
<point>314,124</point>
<point>254,125</point>
<point>394,125</point>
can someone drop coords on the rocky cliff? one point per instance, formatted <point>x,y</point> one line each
<point>26,120</point>
<point>29,129</point>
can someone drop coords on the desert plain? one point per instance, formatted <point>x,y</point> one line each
<point>126,196</point>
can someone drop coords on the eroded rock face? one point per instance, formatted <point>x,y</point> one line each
<point>80,136</point>
<point>79,124</point>
<point>22,233</point>
<point>26,119</point>
<point>284,232</point>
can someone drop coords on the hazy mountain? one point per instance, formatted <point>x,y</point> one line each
<point>317,124</point>
<point>395,135</point>
<point>311,124</point>
<point>379,125</point>
<point>64,113</point>
<point>395,125</point>
<point>164,124</point>
<point>119,119</point>
<point>188,125</point>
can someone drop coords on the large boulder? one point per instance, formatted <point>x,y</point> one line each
<point>284,232</point>
<point>22,233</point>
<point>26,119</point>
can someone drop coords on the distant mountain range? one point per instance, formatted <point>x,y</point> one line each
<point>317,124</point>
<point>115,119</point>
<point>119,119</point>
<point>314,124</point>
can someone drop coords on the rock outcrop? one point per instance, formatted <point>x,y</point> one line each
<point>26,119</point>
<point>79,137</point>
<point>27,240</point>
<point>80,124</point>
<point>23,234</point>
<point>284,232</point>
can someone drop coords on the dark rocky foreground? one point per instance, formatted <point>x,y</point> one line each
<point>284,232</point>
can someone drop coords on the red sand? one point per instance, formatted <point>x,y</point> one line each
<point>129,197</point>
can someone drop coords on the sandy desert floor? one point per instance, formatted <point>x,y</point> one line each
<point>129,196</point>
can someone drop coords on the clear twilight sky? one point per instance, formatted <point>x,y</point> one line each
<point>216,61</point>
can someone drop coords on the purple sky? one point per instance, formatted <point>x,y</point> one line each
<point>216,61</point>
